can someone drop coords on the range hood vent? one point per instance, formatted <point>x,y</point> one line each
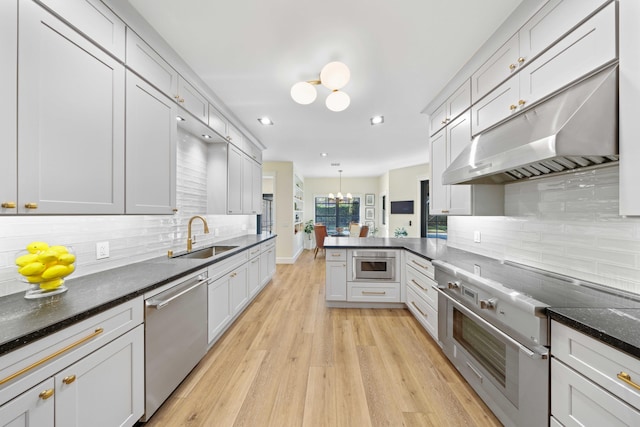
<point>575,128</point>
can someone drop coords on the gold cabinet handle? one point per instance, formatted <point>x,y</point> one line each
<point>31,205</point>
<point>69,379</point>
<point>175,209</point>
<point>445,211</point>
<point>627,379</point>
<point>44,395</point>
<point>419,265</point>
<point>512,67</point>
<point>45,359</point>
<point>513,107</point>
<point>373,293</point>
<point>419,285</point>
<point>418,308</point>
<point>521,102</point>
<point>337,255</point>
<point>176,97</point>
<point>9,205</point>
<point>521,60</point>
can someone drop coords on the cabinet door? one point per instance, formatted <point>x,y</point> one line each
<point>459,101</point>
<point>234,136</point>
<point>247,185</point>
<point>584,50</point>
<point>70,120</point>
<point>105,388</point>
<point>93,19</point>
<point>217,122</point>
<point>31,409</point>
<point>438,119</point>
<point>497,68</point>
<point>8,108</point>
<point>458,138</point>
<point>438,193</point>
<point>235,162</point>
<point>238,289</point>
<point>219,307</point>
<point>336,281</point>
<point>151,149</point>
<point>254,276</point>
<point>192,100</point>
<point>253,188</point>
<point>142,59</point>
<point>501,103</point>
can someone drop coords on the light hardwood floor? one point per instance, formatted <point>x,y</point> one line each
<point>291,361</point>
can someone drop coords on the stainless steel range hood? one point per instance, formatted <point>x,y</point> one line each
<point>576,128</point>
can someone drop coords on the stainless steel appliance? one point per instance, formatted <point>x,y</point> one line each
<point>175,337</point>
<point>369,265</point>
<point>493,326</point>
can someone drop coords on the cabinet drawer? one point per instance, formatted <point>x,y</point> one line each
<point>48,355</point>
<point>423,311</point>
<point>597,361</point>
<point>221,268</point>
<point>95,20</point>
<point>373,292</point>
<point>142,59</point>
<point>254,251</point>
<point>422,285</point>
<point>336,255</point>
<point>268,245</point>
<point>422,265</point>
<point>576,401</point>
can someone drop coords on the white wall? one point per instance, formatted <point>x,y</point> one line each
<point>131,238</point>
<point>404,184</point>
<point>567,224</point>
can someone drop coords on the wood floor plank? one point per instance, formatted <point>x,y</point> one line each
<point>289,361</point>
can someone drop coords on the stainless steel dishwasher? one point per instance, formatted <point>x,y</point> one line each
<point>175,336</point>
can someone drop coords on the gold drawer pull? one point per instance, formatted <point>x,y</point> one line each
<point>445,211</point>
<point>512,67</point>
<point>31,205</point>
<point>69,379</point>
<point>513,107</point>
<point>46,394</point>
<point>418,308</point>
<point>95,333</point>
<point>337,255</point>
<point>374,293</point>
<point>9,205</point>
<point>419,265</point>
<point>418,285</point>
<point>627,379</point>
<point>521,60</point>
<point>521,102</point>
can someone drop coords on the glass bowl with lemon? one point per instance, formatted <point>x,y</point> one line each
<point>44,268</point>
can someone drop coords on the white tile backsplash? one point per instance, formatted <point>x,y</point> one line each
<point>131,238</point>
<point>567,224</point>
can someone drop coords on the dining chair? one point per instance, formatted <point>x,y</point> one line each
<point>364,231</point>
<point>321,233</point>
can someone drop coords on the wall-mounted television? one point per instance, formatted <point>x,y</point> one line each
<point>402,207</point>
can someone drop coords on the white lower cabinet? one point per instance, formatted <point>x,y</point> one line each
<point>336,275</point>
<point>267,261</point>
<point>373,292</point>
<point>33,408</point>
<point>254,280</point>
<point>588,386</point>
<point>422,298</point>
<point>219,308</point>
<point>238,288</point>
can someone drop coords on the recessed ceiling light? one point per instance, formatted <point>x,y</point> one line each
<point>324,154</point>
<point>376,120</point>
<point>204,135</point>
<point>180,119</point>
<point>266,121</point>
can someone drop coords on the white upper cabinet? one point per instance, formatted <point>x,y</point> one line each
<point>235,178</point>
<point>217,122</point>
<point>8,108</point>
<point>451,108</point>
<point>234,136</point>
<point>584,50</point>
<point>143,60</point>
<point>151,149</point>
<point>94,20</point>
<point>548,25</point>
<point>70,120</point>
<point>192,100</point>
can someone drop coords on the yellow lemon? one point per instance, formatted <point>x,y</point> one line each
<point>55,272</point>
<point>66,259</point>
<point>47,256</point>
<point>32,269</point>
<point>51,284</point>
<point>34,279</point>
<point>70,269</point>
<point>26,259</point>
<point>59,249</point>
<point>35,247</point>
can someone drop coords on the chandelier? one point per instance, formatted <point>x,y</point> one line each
<point>334,76</point>
<point>339,197</point>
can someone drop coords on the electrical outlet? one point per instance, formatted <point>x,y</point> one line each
<point>476,236</point>
<point>216,232</point>
<point>476,269</point>
<point>102,250</point>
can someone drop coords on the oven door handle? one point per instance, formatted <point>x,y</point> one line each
<point>540,352</point>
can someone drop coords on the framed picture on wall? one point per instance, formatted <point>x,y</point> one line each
<point>369,214</point>
<point>369,199</point>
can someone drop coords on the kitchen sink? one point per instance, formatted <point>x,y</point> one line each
<point>207,252</point>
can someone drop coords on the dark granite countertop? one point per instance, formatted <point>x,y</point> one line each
<point>24,321</point>
<point>427,248</point>
<point>618,327</point>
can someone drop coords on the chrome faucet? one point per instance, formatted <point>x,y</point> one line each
<point>206,230</point>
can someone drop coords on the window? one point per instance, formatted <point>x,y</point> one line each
<point>337,214</point>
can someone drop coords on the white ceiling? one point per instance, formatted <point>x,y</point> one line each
<point>400,53</point>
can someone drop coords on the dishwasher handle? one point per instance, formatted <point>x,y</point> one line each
<point>185,287</point>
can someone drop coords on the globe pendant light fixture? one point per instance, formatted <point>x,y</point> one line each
<point>334,75</point>
<point>339,197</point>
